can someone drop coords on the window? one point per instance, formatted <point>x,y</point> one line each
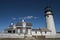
<point>13,31</point>
<point>45,32</point>
<point>36,32</point>
<point>9,31</point>
<point>21,31</point>
<point>47,15</point>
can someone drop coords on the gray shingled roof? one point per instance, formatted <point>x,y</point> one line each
<point>44,30</point>
<point>10,25</point>
<point>57,32</point>
<point>35,29</point>
<point>20,24</point>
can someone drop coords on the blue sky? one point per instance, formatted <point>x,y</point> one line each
<point>20,8</point>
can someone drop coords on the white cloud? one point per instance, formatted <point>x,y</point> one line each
<point>28,17</point>
<point>13,18</point>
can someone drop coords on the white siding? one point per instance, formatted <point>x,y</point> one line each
<point>33,33</point>
<point>43,33</point>
<point>36,33</point>
<point>50,23</point>
<point>24,30</point>
<point>29,31</point>
<point>18,30</point>
<point>48,33</point>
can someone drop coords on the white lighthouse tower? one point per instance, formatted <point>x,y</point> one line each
<point>50,21</point>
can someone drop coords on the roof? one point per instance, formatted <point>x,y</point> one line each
<point>8,29</point>
<point>35,29</point>
<point>57,32</point>
<point>48,9</point>
<point>21,24</point>
<point>44,30</point>
<point>10,25</point>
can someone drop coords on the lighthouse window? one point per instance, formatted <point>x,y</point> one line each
<point>47,16</point>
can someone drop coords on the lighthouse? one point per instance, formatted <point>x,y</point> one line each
<point>50,20</point>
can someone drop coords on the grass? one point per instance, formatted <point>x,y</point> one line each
<point>31,38</point>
